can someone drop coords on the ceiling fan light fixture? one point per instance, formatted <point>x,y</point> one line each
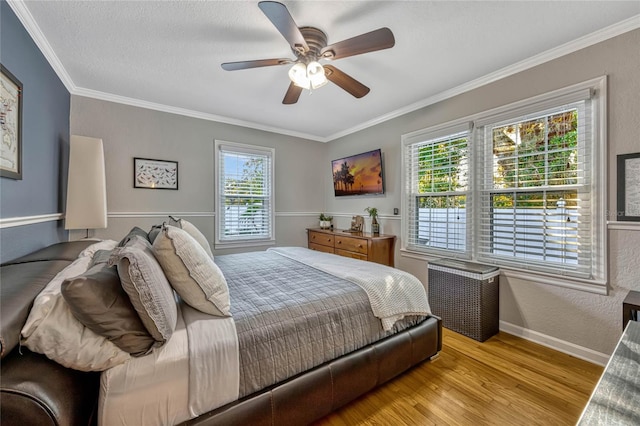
<point>315,73</point>
<point>298,75</point>
<point>309,76</point>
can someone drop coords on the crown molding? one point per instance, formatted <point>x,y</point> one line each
<point>20,9</point>
<point>94,94</point>
<point>554,53</point>
<point>29,23</point>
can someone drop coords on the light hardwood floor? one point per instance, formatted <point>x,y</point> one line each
<point>504,381</point>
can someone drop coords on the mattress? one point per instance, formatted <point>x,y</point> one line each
<point>289,317</point>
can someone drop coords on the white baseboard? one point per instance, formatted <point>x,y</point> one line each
<point>555,343</point>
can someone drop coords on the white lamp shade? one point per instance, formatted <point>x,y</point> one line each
<point>86,186</point>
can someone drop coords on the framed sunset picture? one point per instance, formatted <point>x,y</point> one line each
<point>360,174</point>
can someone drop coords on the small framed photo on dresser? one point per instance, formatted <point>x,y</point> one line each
<point>155,174</point>
<point>629,187</point>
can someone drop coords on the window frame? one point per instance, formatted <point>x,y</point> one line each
<point>220,242</point>
<point>596,90</point>
<point>409,199</point>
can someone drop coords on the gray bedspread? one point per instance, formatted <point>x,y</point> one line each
<point>291,317</point>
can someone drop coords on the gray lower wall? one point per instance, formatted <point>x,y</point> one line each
<point>579,318</point>
<point>129,132</point>
<point>45,143</point>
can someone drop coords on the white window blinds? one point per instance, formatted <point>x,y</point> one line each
<point>535,190</point>
<point>437,197</point>
<point>244,209</point>
<point>525,189</point>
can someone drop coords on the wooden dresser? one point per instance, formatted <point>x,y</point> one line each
<point>361,245</point>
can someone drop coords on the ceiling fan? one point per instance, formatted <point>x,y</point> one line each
<point>309,45</point>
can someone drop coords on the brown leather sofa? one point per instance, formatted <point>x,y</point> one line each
<point>37,391</point>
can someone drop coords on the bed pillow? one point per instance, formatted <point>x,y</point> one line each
<point>97,299</point>
<point>147,287</point>
<point>134,231</point>
<point>52,330</point>
<point>193,231</point>
<point>100,257</point>
<point>153,232</point>
<point>191,272</point>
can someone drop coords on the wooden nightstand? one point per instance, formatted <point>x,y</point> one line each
<point>361,245</point>
<point>631,308</point>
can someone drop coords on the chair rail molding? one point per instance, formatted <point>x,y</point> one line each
<point>11,222</point>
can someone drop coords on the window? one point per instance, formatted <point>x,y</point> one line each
<point>536,190</point>
<point>436,165</point>
<point>244,201</point>
<point>525,190</point>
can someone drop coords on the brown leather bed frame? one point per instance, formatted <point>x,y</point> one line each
<point>35,390</point>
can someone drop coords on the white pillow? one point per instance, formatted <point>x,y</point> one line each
<point>190,228</point>
<point>191,272</point>
<point>52,330</point>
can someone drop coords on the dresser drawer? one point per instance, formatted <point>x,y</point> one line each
<point>319,247</point>
<point>351,254</point>
<point>358,245</point>
<point>320,238</point>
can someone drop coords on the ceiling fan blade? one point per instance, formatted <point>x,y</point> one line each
<point>345,81</point>
<point>243,65</point>
<point>280,17</point>
<point>370,42</point>
<point>292,95</point>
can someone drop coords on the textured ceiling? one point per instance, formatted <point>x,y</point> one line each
<point>167,54</point>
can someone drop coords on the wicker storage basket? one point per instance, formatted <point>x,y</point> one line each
<point>465,295</point>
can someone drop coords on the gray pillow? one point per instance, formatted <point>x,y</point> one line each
<point>98,301</point>
<point>191,272</point>
<point>153,232</point>
<point>134,231</point>
<point>193,231</point>
<point>100,256</point>
<point>148,289</point>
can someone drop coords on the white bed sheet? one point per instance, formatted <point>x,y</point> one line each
<point>150,390</point>
<point>196,371</point>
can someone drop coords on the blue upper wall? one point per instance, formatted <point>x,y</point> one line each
<point>45,143</point>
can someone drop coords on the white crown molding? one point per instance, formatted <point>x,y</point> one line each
<point>24,15</point>
<point>555,343</point>
<point>94,94</point>
<point>20,9</point>
<point>557,52</point>
<point>11,222</point>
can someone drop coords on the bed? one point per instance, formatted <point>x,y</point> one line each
<point>271,370</point>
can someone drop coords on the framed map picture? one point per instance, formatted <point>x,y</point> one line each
<point>10,125</point>
<point>155,174</point>
<point>629,187</point>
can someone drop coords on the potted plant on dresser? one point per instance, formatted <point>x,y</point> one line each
<point>373,213</point>
<point>325,221</point>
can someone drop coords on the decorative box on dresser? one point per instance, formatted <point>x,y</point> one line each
<point>361,245</point>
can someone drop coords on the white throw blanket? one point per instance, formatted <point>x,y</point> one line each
<point>393,294</point>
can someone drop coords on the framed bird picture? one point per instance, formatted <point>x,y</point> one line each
<point>155,174</point>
